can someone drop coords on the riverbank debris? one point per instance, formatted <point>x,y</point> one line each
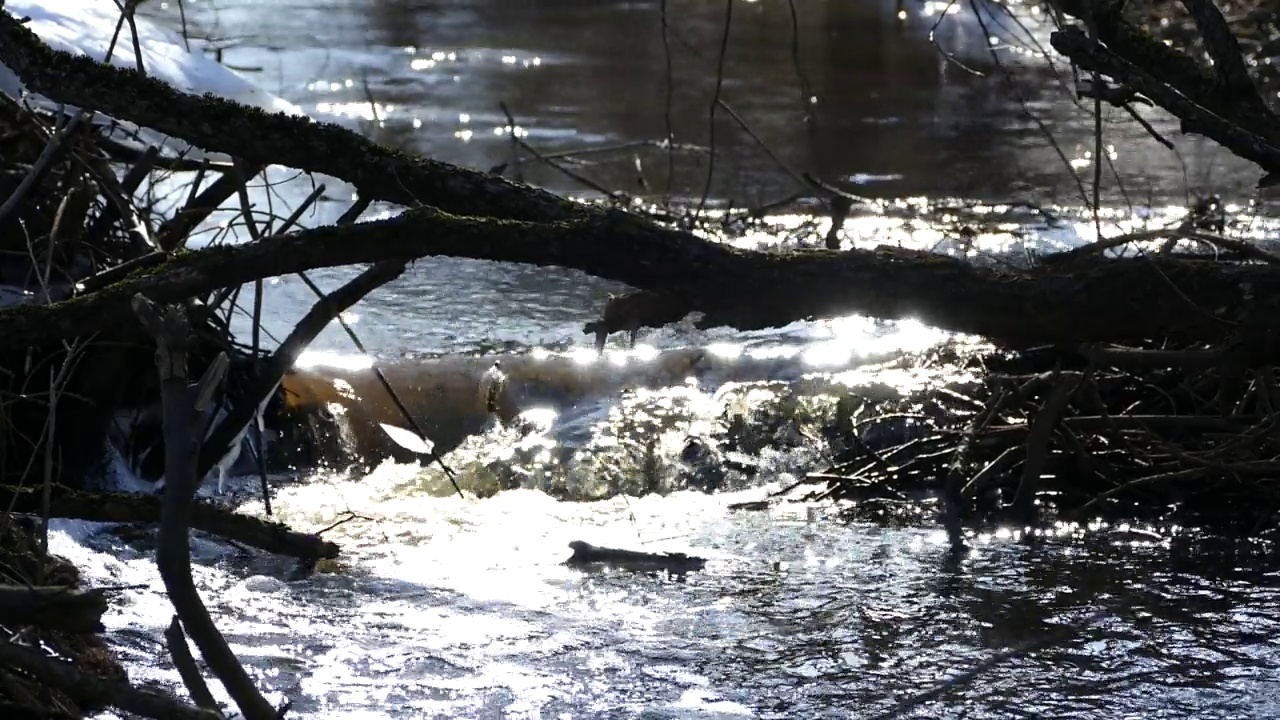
<point>1067,435</point>
<point>586,555</point>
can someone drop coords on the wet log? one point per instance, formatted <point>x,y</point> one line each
<point>54,608</point>
<point>585,554</point>
<point>1122,301</point>
<point>128,507</point>
<point>1125,300</point>
<point>90,690</point>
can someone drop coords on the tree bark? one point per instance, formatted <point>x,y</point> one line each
<point>1120,301</point>
<point>182,430</point>
<point>90,690</point>
<point>55,608</point>
<point>1116,301</point>
<point>129,507</point>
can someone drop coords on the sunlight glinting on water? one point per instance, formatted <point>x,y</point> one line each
<point>854,336</point>
<point>314,359</point>
<point>459,607</point>
<point>937,231</point>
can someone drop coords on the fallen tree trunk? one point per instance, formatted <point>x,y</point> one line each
<point>126,507</point>
<point>1116,301</point>
<point>1105,301</point>
<point>54,608</point>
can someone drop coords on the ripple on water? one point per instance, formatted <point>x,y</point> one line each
<point>460,609</point>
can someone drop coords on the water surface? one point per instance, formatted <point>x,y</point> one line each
<point>459,608</point>
<point>872,100</point>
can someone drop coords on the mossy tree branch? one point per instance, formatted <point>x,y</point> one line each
<point>256,136</point>
<point>1112,301</point>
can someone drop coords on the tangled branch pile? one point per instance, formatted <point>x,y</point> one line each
<point>1161,424</point>
<point>1167,435</point>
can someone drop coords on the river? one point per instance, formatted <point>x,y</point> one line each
<point>452,608</point>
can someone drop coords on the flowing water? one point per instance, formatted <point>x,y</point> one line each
<point>444,607</point>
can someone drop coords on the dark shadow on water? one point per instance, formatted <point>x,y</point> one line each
<point>886,108</point>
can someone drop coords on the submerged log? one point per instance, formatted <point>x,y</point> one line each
<point>586,554</point>
<point>128,507</point>
<point>53,608</point>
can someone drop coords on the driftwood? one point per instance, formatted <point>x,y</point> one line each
<point>585,554</point>
<point>87,689</point>
<point>54,608</point>
<point>206,517</point>
<point>1112,301</point>
<point>184,407</point>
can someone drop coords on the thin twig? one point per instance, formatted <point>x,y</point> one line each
<point>715,104</point>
